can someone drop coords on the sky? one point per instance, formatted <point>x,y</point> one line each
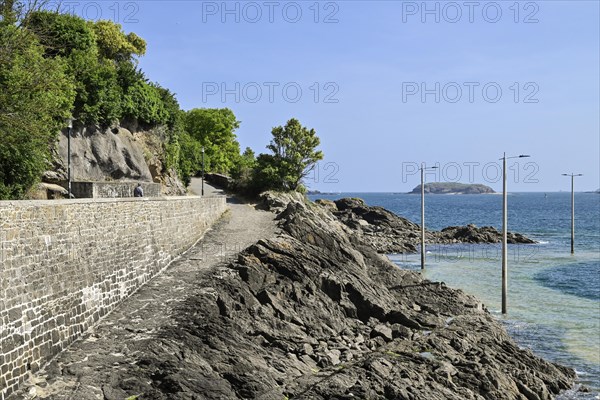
<point>388,85</point>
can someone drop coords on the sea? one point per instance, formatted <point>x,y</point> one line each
<point>553,295</point>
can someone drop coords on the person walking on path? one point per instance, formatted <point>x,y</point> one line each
<point>138,191</point>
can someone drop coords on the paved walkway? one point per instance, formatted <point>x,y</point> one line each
<point>81,371</point>
<point>209,190</point>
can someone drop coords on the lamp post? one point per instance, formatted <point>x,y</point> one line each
<point>70,128</point>
<point>203,171</point>
<point>423,168</point>
<point>572,210</point>
<point>505,232</point>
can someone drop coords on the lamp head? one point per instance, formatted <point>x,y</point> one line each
<point>524,156</point>
<point>70,122</point>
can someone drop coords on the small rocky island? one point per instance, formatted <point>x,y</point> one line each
<point>454,188</point>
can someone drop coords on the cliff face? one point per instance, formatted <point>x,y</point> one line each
<point>316,313</point>
<point>114,154</point>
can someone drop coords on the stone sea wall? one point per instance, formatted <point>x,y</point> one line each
<point>65,264</point>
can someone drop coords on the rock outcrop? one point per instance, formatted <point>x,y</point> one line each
<point>316,313</point>
<point>384,230</point>
<point>389,233</point>
<point>473,234</point>
<point>454,188</point>
<point>113,154</point>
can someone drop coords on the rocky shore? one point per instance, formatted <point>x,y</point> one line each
<point>316,313</point>
<point>388,233</point>
<point>311,311</point>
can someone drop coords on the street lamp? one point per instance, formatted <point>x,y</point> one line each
<point>203,171</point>
<point>572,210</point>
<point>70,126</point>
<point>505,232</point>
<point>423,168</point>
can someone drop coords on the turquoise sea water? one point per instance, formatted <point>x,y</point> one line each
<point>553,297</point>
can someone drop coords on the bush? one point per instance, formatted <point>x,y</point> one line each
<point>35,97</point>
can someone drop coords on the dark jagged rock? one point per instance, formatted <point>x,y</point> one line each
<point>385,231</point>
<point>316,313</point>
<point>389,233</point>
<point>486,234</point>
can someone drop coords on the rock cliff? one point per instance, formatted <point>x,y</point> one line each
<point>113,154</point>
<point>316,313</point>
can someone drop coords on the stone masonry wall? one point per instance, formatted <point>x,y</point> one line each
<point>96,190</point>
<point>65,264</point>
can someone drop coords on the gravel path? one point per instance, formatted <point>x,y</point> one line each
<point>85,370</point>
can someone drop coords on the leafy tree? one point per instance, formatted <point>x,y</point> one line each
<point>99,98</point>
<point>242,172</point>
<point>101,58</point>
<point>214,129</point>
<point>114,44</point>
<point>143,101</point>
<point>9,12</point>
<point>61,34</point>
<point>173,113</point>
<point>35,97</point>
<point>294,156</point>
<point>53,65</point>
<point>190,158</point>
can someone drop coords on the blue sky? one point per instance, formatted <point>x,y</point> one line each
<point>386,85</point>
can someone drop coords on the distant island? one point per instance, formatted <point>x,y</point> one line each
<point>453,188</point>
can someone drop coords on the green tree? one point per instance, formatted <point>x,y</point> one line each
<point>61,34</point>
<point>95,63</point>
<point>101,58</point>
<point>99,97</point>
<point>35,97</point>
<point>98,94</point>
<point>295,154</point>
<point>114,44</point>
<point>242,172</point>
<point>190,157</point>
<point>214,130</point>
<point>9,12</point>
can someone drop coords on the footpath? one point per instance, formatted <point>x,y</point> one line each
<point>86,369</point>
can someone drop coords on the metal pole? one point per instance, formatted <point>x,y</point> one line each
<point>202,171</point>
<point>572,210</point>
<point>69,161</point>
<point>504,238</point>
<point>422,216</point>
<point>573,214</point>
